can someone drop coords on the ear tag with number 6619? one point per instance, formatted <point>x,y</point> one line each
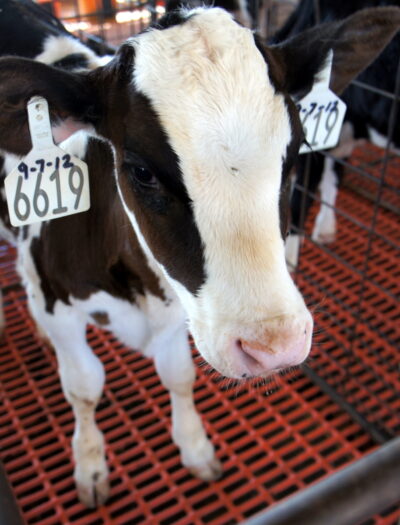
<point>321,113</point>
<point>49,182</point>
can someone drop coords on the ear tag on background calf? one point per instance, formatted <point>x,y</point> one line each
<point>49,182</point>
<point>321,113</point>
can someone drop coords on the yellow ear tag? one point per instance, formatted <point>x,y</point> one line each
<point>49,182</point>
<point>321,113</point>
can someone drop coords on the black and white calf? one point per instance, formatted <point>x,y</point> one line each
<point>367,117</point>
<point>29,31</point>
<point>24,25</point>
<point>190,134</point>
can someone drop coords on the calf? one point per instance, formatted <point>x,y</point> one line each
<point>190,133</point>
<point>28,30</point>
<point>24,26</point>
<point>367,113</point>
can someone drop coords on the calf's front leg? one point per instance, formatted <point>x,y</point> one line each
<point>82,380</point>
<point>324,230</point>
<point>175,367</point>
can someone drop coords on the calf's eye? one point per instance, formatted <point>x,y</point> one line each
<point>143,176</point>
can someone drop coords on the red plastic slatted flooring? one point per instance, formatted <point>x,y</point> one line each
<point>359,351</point>
<point>369,159</point>
<point>272,441</point>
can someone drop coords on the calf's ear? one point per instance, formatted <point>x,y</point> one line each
<point>71,96</point>
<point>356,41</point>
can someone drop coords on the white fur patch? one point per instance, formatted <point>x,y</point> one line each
<point>324,230</point>
<point>10,161</point>
<point>292,250</point>
<point>381,141</point>
<point>209,85</point>
<point>57,47</point>
<point>76,144</point>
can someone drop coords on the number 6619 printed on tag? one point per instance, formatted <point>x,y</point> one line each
<point>49,182</point>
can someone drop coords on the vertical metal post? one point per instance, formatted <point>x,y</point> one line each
<point>9,510</point>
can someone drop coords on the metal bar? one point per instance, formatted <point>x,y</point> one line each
<point>392,120</point>
<point>317,198</point>
<point>378,434</point>
<point>361,171</point>
<point>368,195</point>
<point>317,12</point>
<point>10,513</point>
<point>350,309</point>
<point>152,5</point>
<point>343,261</point>
<point>348,497</point>
<point>371,235</point>
<point>389,385</point>
<point>376,90</point>
<point>100,21</point>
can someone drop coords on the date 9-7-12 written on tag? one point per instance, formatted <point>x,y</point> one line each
<point>49,182</point>
<point>321,113</point>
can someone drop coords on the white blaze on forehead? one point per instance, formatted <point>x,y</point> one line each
<point>209,85</point>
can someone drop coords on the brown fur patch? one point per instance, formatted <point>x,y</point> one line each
<point>165,216</point>
<point>81,254</point>
<point>101,318</point>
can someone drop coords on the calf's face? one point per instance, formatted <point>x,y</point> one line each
<point>209,211</point>
<point>204,134</point>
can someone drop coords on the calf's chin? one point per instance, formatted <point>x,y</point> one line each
<point>251,330</point>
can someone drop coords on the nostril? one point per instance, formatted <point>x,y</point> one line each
<point>281,349</point>
<point>249,358</point>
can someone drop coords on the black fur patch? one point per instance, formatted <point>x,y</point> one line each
<point>163,210</point>
<point>174,18</point>
<point>24,26</point>
<point>72,62</point>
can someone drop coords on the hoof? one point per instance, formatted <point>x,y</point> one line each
<point>292,250</point>
<point>210,471</point>
<point>324,231</point>
<point>94,493</point>
<point>324,237</point>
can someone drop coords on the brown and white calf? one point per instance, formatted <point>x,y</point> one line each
<point>190,133</point>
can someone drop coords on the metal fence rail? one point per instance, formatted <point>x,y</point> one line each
<point>380,234</point>
<point>340,499</point>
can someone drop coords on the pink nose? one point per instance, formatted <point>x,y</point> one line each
<point>258,359</point>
